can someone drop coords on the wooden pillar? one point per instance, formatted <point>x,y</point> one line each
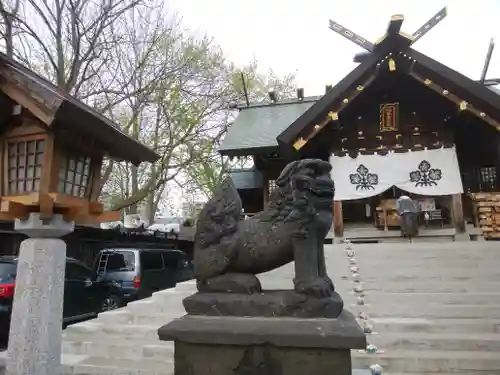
<point>475,215</point>
<point>338,219</point>
<point>265,191</point>
<point>457,213</point>
<point>386,227</point>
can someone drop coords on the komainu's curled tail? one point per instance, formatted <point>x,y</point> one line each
<point>214,245</point>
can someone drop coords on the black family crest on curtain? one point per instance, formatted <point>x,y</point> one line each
<point>425,175</point>
<point>363,179</point>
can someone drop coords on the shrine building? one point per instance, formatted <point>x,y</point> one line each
<point>399,123</point>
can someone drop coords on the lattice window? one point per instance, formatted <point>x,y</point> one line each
<point>272,185</point>
<point>74,174</point>
<point>24,161</point>
<point>488,177</point>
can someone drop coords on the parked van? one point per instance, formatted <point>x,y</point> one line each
<point>138,273</point>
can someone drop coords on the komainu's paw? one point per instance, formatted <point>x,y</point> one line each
<point>319,288</point>
<point>231,283</point>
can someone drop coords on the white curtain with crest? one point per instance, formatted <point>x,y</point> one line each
<point>426,172</point>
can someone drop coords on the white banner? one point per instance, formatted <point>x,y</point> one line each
<point>427,172</point>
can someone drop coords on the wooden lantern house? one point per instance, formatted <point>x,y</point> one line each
<point>52,148</point>
<point>398,111</point>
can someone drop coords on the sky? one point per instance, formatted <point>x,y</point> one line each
<point>292,36</point>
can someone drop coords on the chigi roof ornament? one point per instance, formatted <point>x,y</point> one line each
<point>393,28</point>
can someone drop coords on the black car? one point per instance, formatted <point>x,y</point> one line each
<point>138,273</point>
<point>84,297</point>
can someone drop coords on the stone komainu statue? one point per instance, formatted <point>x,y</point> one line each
<point>229,252</point>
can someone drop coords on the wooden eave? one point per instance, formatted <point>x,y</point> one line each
<point>483,102</point>
<point>465,88</point>
<point>249,151</point>
<point>316,117</point>
<point>52,105</point>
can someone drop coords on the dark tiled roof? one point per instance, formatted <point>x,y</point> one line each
<point>258,125</point>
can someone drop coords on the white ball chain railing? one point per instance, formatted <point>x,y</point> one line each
<point>361,306</point>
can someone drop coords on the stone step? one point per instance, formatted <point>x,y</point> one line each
<point>155,306</point>
<point>100,330</point>
<point>435,259</point>
<point>113,349</point>
<point>163,366</point>
<point>430,262</point>
<point>426,286</point>
<point>434,373</point>
<point>174,296</point>
<point>428,248</point>
<point>436,341</point>
<point>119,316</point>
<point>391,325</point>
<point>103,370</point>
<point>414,276</point>
<point>416,361</point>
<point>430,311</point>
<point>179,291</point>
<point>140,318</point>
<point>186,285</point>
<point>433,298</point>
<point>429,251</point>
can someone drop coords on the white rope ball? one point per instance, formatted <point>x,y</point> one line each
<point>376,369</point>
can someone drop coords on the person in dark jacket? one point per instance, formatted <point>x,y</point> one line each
<point>407,210</point>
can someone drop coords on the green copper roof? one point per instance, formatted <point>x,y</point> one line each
<point>246,178</point>
<point>258,126</point>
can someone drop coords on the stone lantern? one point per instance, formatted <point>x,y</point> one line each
<point>52,148</point>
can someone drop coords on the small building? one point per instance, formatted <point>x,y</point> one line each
<point>399,123</point>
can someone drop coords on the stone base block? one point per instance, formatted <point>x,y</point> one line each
<point>269,304</point>
<point>204,359</point>
<point>263,346</point>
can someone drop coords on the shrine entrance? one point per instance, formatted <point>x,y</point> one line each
<point>380,211</point>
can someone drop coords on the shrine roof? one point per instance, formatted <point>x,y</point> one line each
<point>57,106</point>
<point>258,125</point>
<point>484,99</point>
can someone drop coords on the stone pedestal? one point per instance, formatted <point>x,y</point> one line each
<point>229,345</point>
<point>36,322</point>
<point>270,304</point>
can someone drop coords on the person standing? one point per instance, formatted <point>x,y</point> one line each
<point>407,210</point>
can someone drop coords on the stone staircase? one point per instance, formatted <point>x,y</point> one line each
<point>125,341</point>
<point>435,309</point>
